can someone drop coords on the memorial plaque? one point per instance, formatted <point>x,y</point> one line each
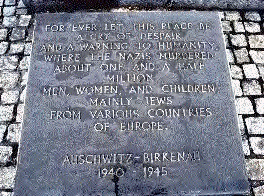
<point>136,103</point>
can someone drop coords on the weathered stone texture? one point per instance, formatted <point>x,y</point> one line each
<point>18,34</point>
<point>255,125</point>
<point>6,112</point>
<point>24,63</point>
<point>20,112</point>
<point>256,41</point>
<point>2,132</point>
<point>3,47</point>
<point>3,34</point>
<point>251,71</point>
<point>9,62</point>
<point>236,88</point>
<point>245,146</point>
<point>232,15</point>
<point>244,106</point>
<point>10,2</point>
<point>236,72</point>
<point>24,20</point>
<point>9,11</point>
<point>252,27</point>
<point>10,97</point>
<point>226,25</point>
<point>252,16</point>
<point>5,154</point>
<point>257,56</point>
<point>7,177</point>
<point>8,80</point>
<point>255,169</point>
<point>239,27</point>
<point>10,21</point>
<point>259,191</point>
<point>260,105</point>
<point>230,56</point>
<point>242,55</point>
<point>251,87</point>
<point>14,131</point>
<point>257,144</point>
<point>17,48</point>
<point>238,40</point>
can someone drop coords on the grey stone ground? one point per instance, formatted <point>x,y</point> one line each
<point>244,33</point>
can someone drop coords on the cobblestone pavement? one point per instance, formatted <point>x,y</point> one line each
<point>244,34</point>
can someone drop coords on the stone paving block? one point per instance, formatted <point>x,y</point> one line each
<point>261,71</point>
<point>18,34</point>
<point>6,112</point>
<point>20,112</point>
<point>14,133</point>
<point>28,48</point>
<point>245,147</point>
<point>230,56</point>
<point>255,168</point>
<point>252,16</point>
<point>260,105</point>
<point>6,193</point>
<point>226,40</point>
<point>238,40</point>
<point>257,56</point>
<point>2,132</point>
<point>8,62</point>
<point>259,191</point>
<point>241,125</point>
<point>236,88</point>
<point>21,4</point>
<point>251,71</point>
<point>23,96</point>
<point>257,144</point>
<point>3,34</point>
<point>24,78</point>
<point>256,41</point>
<point>252,27</point>
<point>24,20</point>
<point>244,106</point>
<point>3,47</point>
<point>236,72</point>
<point>17,48</point>
<point>142,3</point>
<point>10,21</point>
<point>226,25</point>
<point>7,177</point>
<point>10,2</point>
<point>22,11</point>
<point>251,87</point>
<point>9,11</point>
<point>5,154</point>
<point>238,27</point>
<point>232,15</point>
<point>10,97</point>
<point>24,63</point>
<point>30,34</point>
<point>221,15</point>
<point>255,125</point>
<point>8,80</point>
<point>1,2</point>
<point>242,55</point>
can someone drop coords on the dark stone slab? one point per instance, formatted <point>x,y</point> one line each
<point>143,3</point>
<point>70,5</point>
<point>216,4</point>
<point>130,104</point>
